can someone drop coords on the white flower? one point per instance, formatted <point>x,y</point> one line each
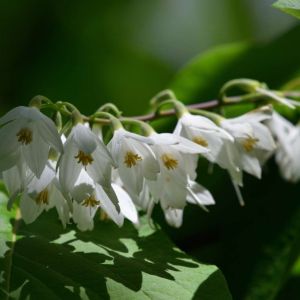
<point>127,207</point>
<point>135,160</point>
<point>197,194</point>
<point>173,216</point>
<point>16,180</point>
<point>42,194</point>
<point>252,139</point>
<point>204,132</point>
<point>287,154</point>
<point>27,135</point>
<point>177,157</point>
<point>89,196</point>
<point>84,150</point>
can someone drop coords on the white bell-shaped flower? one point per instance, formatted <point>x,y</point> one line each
<point>90,196</point>
<point>135,159</point>
<point>197,194</point>
<point>177,157</point>
<point>287,137</point>
<point>252,139</point>
<point>84,150</point>
<point>27,135</point>
<point>204,132</point>
<point>42,194</point>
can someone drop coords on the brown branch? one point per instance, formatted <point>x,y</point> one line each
<point>170,112</point>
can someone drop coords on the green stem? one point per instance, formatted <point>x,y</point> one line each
<point>110,107</point>
<point>179,107</point>
<point>147,129</point>
<point>115,122</point>
<point>210,115</point>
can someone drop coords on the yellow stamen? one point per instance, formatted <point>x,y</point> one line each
<point>131,159</point>
<point>169,161</point>
<point>249,143</point>
<point>24,136</point>
<point>90,202</point>
<point>83,158</point>
<point>103,215</point>
<point>200,141</point>
<point>42,197</point>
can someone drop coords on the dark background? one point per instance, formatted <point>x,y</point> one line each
<point>91,52</point>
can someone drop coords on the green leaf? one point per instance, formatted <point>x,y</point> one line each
<point>273,63</point>
<point>43,261</point>
<point>291,7</point>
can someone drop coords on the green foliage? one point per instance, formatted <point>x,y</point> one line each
<point>202,78</point>
<point>43,261</point>
<point>291,7</point>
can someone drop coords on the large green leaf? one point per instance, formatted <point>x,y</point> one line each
<point>291,7</point>
<point>273,63</point>
<point>45,262</point>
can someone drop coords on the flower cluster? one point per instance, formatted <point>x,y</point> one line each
<point>78,174</point>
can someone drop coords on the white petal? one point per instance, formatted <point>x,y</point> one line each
<point>251,165</point>
<point>174,217</point>
<point>199,195</point>
<point>84,138</point>
<point>49,134</point>
<point>56,197</point>
<point>22,112</point>
<point>8,137</point>
<point>126,205</point>
<point>150,166</point>
<point>265,139</point>
<point>83,216</point>
<point>36,185</point>
<point>29,209</point>
<point>69,169</point>
<point>36,153</point>
<point>9,160</point>
<point>255,116</point>
<point>100,169</point>
<point>107,205</point>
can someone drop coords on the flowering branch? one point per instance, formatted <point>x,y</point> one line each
<point>69,167</point>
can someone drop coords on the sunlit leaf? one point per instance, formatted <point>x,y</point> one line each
<point>43,261</point>
<point>291,7</point>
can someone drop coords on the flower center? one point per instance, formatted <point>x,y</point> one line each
<point>131,159</point>
<point>42,197</point>
<point>249,143</point>
<point>169,161</point>
<point>200,141</point>
<point>90,202</point>
<point>24,136</point>
<point>84,159</point>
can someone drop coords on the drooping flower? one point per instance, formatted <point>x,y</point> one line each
<point>197,194</point>
<point>43,194</point>
<point>84,150</point>
<point>221,144</point>
<point>28,135</point>
<point>205,133</point>
<point>287,154</point>
<point>135,160</point>
<point>252,139</point>
<point>177,157</point>
<point>89,196</point>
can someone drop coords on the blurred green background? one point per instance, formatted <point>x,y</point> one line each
<point>92,52</point>
<point>124,52</point>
